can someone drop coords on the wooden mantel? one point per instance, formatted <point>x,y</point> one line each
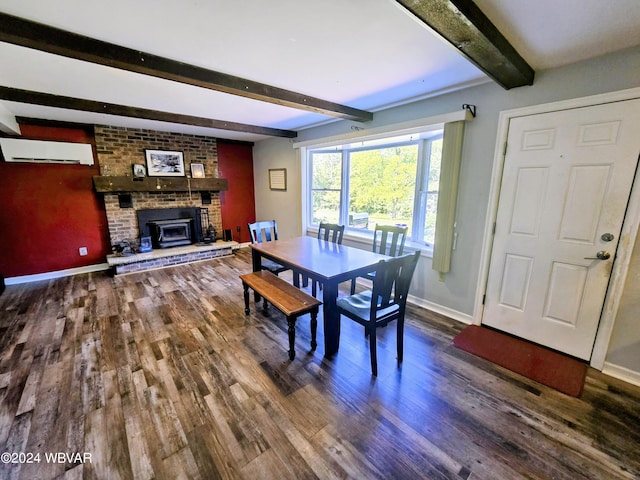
<point>107,184</point>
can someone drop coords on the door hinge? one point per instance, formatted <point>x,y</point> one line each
<point>493,232</point>
<point>504,151</point>
<point>484,297</point>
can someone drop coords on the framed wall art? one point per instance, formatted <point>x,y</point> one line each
<point>164,163</point>
<point>278,178</point>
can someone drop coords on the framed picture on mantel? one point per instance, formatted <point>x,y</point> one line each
<point>197,170</point>
<point>164,163</point>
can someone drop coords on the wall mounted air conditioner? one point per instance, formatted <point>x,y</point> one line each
<point>39,151</point>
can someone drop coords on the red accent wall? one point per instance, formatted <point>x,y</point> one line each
<point>235,163</point>
<point>49,211</point>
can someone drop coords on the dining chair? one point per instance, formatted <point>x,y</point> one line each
<point>266,231</point>
<point>385,302</point>
<point>387,240</point>
<point>329,232</point>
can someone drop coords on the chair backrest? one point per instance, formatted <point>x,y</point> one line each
<point>389,240</point>
<point>264,231</point>
<point>392,281</point>
<point>331,232</point>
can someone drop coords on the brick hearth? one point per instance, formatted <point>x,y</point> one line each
<point>169,256</point>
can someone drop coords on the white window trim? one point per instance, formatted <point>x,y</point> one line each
<point>397,129</point>
<point>421,125</point>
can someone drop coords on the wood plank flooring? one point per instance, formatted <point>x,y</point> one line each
<point>161,375</point>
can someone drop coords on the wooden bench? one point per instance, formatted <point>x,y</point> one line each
<point>289,300</point>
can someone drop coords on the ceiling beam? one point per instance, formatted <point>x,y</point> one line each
<point>70,103</point>
<point>42,37</point>
<point>8,122</point>
<point>463,24</point>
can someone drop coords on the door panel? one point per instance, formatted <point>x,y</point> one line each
<point>566,181</point>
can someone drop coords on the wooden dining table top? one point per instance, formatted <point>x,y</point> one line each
<point>319,258</point>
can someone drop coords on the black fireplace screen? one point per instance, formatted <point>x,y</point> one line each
<point>176,226</point>
<point>171,233</point>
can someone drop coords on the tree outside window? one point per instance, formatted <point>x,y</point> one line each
<point>392,182</point>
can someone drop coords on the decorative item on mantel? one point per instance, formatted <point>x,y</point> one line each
<point>164,163</point>
<point>197,170</point>
<point>139,172</point>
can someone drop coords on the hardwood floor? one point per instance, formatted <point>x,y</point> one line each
<point>161,375</point>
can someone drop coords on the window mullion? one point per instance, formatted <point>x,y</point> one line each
<point>420,200</point>
<point>344,195</point>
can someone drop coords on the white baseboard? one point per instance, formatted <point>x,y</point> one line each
<point>434,307</point>
<point>446,311</point>
<point>621,373</point>
<point>58,274</point>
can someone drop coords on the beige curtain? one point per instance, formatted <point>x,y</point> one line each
<point>447,195</point>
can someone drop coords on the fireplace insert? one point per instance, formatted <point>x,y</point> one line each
<point>171,233</point>
<point>170,227</point>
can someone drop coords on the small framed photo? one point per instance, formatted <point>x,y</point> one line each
<point>145,244</point>
<point>139,171</point>
<point>164,163</point>
<point>197,170</point>
<point>278,178</point>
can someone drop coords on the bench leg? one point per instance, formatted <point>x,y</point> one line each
<point>314,328</point>
<point>291,322</point>
<point>246,298</point>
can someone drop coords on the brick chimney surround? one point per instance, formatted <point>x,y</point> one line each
<point>118,149</point>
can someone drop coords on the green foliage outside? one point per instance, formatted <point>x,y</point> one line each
<point>382,183</point>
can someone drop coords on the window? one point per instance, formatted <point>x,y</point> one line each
<point>392,181</point>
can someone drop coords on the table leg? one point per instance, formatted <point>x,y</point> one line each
<point>331,318</point>
<point>314,328</point>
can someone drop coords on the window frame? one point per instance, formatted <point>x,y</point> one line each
<point>423,141</point>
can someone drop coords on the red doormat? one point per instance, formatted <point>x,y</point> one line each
<point>533,361</point>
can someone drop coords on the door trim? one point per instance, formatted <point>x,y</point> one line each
<point>628,234</point>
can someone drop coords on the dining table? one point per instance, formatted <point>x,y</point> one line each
<point>326,262</point>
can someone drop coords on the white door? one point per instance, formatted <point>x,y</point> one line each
<point>566,183</point>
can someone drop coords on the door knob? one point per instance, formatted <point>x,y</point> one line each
<point>601,255</point>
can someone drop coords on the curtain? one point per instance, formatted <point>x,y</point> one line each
<point>447,195</point>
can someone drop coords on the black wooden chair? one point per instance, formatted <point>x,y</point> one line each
<point>330,232</point>
<point>387,240</point>
<point>385,302</point>
<point>266,231</point>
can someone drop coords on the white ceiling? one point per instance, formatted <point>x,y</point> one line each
<point>367,54</point>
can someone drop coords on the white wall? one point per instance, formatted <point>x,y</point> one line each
<point>457,293</point>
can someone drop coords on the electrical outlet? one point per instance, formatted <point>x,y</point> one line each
<point>83,251</point>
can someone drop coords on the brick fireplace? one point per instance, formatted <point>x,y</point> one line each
<point>119,148</point>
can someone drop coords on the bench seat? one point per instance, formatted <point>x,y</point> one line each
<point>286,298</point>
